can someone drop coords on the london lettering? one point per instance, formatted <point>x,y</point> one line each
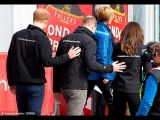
<point>116,32</point>
<point>58,31</point>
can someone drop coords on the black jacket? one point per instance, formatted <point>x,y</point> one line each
<point>30,51</point>
<point>129,81</point>
<point>73,74</point>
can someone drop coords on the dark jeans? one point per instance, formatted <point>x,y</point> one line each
<point>101,100</point>
<point>29,98</point>
<point>119,103</point>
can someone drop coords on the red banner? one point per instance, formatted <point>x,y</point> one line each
<point>8,100</point>
<point>120,19</point>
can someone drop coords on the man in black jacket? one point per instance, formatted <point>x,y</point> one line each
<point>71,77</point>
<point>30,51</point>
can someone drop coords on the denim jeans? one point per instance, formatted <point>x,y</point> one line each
<point>29,98</point>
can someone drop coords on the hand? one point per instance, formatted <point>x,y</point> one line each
<point>74,52</point>
<point>118,67</point>
<point>57,96</point>
<point>105,81</point>
<point>13,89</point>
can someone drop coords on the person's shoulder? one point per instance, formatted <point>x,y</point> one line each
<point>69,35</point>
<point>142,46</point>
<point>91,39</point>
<point>117,47</point>
<point>102,25</point>
<point>19,32</point>
<point>22,30</point>
<point>117,44</point>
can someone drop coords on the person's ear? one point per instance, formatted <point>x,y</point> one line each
<point>94,28</point>
<point>45,22</point>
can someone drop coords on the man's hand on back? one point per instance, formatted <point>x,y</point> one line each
<point>118,67</point>
<point>74,52</point>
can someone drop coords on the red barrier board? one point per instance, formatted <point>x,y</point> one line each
<point>8,100</point>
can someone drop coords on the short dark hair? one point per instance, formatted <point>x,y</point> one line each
<point>89,20</point>
<point>156,47</point>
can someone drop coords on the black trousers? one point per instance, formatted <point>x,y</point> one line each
<point>119,103</point>
<point>101,100</point>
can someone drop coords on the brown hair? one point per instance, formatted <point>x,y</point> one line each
<point>104,13</point>
<point>156,47</point>
<point>41,15</point>
<point>131,37</point>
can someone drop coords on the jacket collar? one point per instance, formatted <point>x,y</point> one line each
<point>102,23</point>
<point>154,65</point>
<point>33,27</point>
<point>82,29</point>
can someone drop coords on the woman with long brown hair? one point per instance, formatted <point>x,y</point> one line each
<point>126,85</point>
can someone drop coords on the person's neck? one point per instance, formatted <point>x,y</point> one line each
<point>88,27</point>
<point>105,23</point>
<point>37,24</point>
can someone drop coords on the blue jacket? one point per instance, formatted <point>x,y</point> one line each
<point>149,95</point>
<point>104,51</point>
<point>150,105</point>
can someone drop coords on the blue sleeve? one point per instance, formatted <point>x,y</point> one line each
<point>102,52</point>
<point>149,94</point>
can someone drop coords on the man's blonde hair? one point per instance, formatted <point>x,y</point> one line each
<point>104,13</point>
<point>41,14</point>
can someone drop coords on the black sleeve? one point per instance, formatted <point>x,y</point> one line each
<point>115,53</point>
<point>60,48</point>
<point>45,51</point>
<point>56,87</point>
<point>90,58</point>
<point>146,59</point>
<point>9,69</point>
<point>146,67</point>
